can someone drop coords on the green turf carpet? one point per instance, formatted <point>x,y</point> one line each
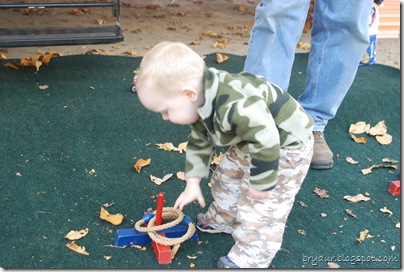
<point>69,148</point>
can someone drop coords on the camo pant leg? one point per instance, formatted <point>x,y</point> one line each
<point>225,188</point>
<point>259,236</point>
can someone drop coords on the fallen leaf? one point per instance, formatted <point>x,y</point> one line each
<point>321,193</point>
<point>385,210</point>
<point>393,248</point>
<point>182,147</point>
<point>10,65</point>
<point>220,42</point>
<point>359,127</point>
<point>351,161</point>
<point>76,234</point>
<point>141,163</point>
<point>379,129</point>
<point>181,175</point>
<point>323,214</point>
<point>357,198</point>
<point>384,139</point>
<point>159,181</point>
<point>398,225</point>
<point>166,146</point>
<point>359,140</point>
<point>101,21</point>
<point>2,56</point>
<point>107,257</point>
<point>221,58</point>
<point>114,219</point>
<point>389,160</point>
<point>369,169</point>
<point>79,249</point>
<point>191,265</point>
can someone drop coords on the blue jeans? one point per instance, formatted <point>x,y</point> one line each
<point>339,38</point>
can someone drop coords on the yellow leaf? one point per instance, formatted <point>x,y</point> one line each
<point>76,234</point>
<point>141,163</point>
<point>363,235</point>
<point>181,175</point>
<point>166,146</point>
<point>114,219</point>
<point>182,147</point>
<point>360,140</point>
<point>79,249</point>
<point>221,58</point>
<point>2,56</point>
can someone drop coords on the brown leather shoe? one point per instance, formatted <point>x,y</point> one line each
<point>322,154</point>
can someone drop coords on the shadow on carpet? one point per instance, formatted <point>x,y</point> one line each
<point>70,148</point>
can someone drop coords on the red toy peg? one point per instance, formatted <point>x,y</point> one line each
<point>394,188</point>
<point>159,210</point>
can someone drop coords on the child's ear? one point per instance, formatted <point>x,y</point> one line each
<point>190,92</point>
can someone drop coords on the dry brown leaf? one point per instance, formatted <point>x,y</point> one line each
<point>159,181</point>
<point>379,129</point>
<point>10,65</point>
<point>321,193</point>
<point>385,210</point>
<point>220,58</point>
<point>360,140</point>
<point>359,127</point>
<point>369,169</point>
<point>141,163</point>
<point>351,161</point>
<point>76,234</point>
<point>2,56</point>
<point>181,175</point>
<point>384,139</point>
<point>101,21</point>
<point>114,219</point>
<point>357,198</point>
<point>79,249</point>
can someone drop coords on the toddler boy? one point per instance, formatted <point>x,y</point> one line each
<point>270,141</point>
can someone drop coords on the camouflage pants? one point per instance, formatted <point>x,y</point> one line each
<point>257,226</point>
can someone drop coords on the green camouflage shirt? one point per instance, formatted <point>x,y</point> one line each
<point>256,116</point>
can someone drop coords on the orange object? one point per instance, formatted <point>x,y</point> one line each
<point>394,188</point>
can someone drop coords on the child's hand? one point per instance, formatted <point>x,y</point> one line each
<point>191,193</point>
<point>258,194</point>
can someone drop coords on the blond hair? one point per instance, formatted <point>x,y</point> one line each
<point>168,65</point>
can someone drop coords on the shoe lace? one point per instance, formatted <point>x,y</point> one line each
<point>318,137</point>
